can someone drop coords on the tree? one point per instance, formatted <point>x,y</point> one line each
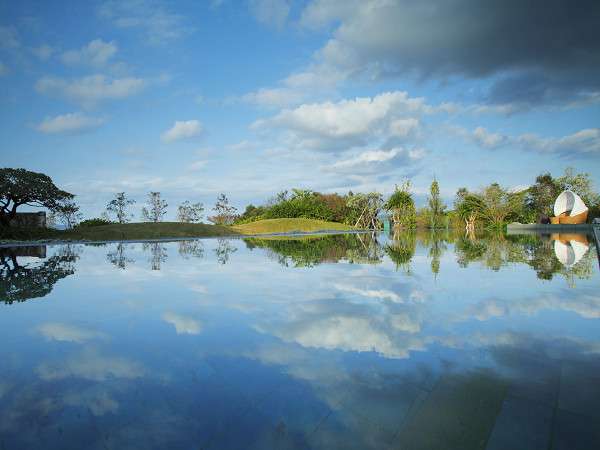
<point>365,209</point>
<point>542,195</point>
<point>402,206</point>
<point>581,184</point>
<point>68,212</point>
<point>190,213</point>
<point>157,208</point>
<point>21,187</point>
<point>224,212</point>
<point>118,207</point>
<point>436,205</point>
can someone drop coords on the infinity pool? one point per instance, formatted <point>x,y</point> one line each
<point>418,341</point>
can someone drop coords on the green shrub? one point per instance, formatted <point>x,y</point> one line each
<point>95,222</point>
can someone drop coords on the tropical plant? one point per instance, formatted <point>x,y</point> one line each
<point>436,206</point>
<point>402,206</point>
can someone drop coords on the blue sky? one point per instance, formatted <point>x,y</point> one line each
<point>193,98</point>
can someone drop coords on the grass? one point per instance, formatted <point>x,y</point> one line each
<point>165,230</point>
<point>116,231</point>
<point>268,226</point>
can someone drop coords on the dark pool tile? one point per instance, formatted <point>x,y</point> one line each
<point>537,382</point>
<point>522,424</point>
<point>458,414</point>
<point>294,407</point>
<point>346,430</point>
<point>251,378</point>
<point>575,432</point>
<point>385,401</point>
<point>580,390</point>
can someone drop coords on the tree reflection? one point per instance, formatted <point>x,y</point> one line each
<point>20,282</point>
<point>118,257</point>
<point>188,249</point>
<point>309,251</point>
<point>496,251</point>
<point>223,250</point>
<point>158,254</point>
<point>402,248</point>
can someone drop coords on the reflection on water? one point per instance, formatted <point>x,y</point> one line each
<point>416,341</point>
<point>35,277</point>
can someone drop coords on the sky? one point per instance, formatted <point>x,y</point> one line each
<point>251,97</point>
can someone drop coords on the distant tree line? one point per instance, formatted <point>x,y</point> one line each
<point>489,207</point>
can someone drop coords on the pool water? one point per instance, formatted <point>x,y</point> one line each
<point>413,341</point>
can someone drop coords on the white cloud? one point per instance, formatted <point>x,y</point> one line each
<point>197,165</point>
<point>274,97</point>
<point>404,127</point>
<point>487,139</point>
<point>185,129</point>
<point>182,324</point>
<point>271,12</point>
<point>68,333</point>
<point>92,366</point>
<point>96,54</point>
<point>583,143</point>
<point>91,89</point>
<point>381,294</point>
<point>151,17</point>
<point>347,123</point>
<point>69,123</point>
<point>43,52</point>
<point>373,159</point>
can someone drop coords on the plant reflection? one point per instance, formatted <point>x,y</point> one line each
<point>223,250</point>
<point>158,254</point>
<point>191,249</point>
<point>309,251</point>
<point>20,282</point>
<point>118,257</point>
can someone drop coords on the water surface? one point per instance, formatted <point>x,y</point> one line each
<point>418,341</point>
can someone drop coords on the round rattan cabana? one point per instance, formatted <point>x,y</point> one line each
<point>569,209</point>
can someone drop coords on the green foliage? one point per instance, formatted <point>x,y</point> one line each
<point>95,222</point>
<point>251,214</point>
<point>402,207</point>
<point>541,196</point>
<point>436,207</point>
<point>302,204</point>
<point>21,187</point>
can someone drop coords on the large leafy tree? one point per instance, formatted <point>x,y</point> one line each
<point>542,195</point>
<point>20,187</point>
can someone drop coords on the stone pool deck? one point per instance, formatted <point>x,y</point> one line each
<point>526,228</point>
